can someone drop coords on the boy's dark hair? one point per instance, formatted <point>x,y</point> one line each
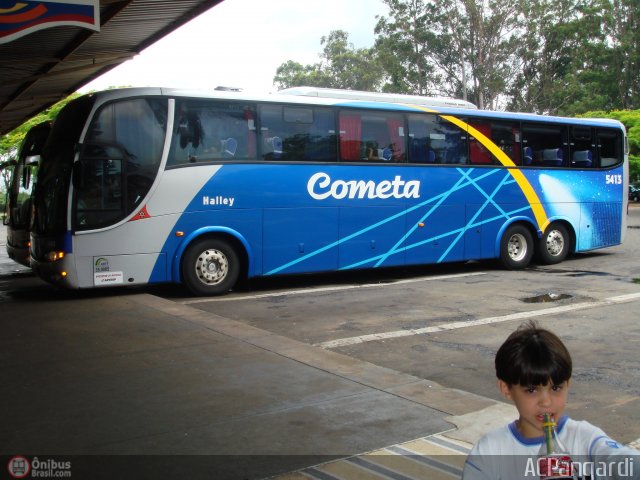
<point>531,356</point>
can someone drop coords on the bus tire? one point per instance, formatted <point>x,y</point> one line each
<point>210,266</point>
<point>516,247</point>
<point>554,245</point>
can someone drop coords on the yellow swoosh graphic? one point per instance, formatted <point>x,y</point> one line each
<point>15,8</point>
<point>518,176</point>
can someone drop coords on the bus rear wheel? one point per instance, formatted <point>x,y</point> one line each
<point>554,245</point>
<point>516,247</point>
<point>210,266</point>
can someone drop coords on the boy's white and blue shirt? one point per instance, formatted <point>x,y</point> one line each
<point>505,454</point>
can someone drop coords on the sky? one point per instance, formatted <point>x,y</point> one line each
<point>241,43</point>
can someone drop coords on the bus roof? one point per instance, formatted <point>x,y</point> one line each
<point>351,98</point>
<point>377,97</point>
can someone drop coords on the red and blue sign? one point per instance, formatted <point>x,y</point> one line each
<point>20,18</point>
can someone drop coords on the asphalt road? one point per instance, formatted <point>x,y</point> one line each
<point>444,323</point>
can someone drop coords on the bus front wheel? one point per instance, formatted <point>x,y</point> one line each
<point>516,247</point>
<point>210,267</point>
<point>553,247</point>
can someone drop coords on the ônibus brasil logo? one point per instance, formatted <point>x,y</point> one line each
<point>19,467</point>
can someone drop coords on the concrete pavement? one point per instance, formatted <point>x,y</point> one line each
<point>136,383</point>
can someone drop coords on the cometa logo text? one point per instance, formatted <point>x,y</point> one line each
<point>321,187</point>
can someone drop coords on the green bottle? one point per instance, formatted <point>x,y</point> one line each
<point>554,461</point>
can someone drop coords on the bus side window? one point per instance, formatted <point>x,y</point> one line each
<point>372,137</point>
<point>271,132</point>
<point>506,136</point>
<point>208,130</point>
<point>420,150</point>
<point>545,145</point>
<point>582,147</point>
<point>435,140</point>
<point>610,150</point>
<point>320,145</point>
<point>351,145</point>
<point>297,133</point>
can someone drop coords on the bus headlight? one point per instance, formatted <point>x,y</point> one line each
<point>54,256</point>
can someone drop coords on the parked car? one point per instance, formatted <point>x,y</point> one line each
<point>634,193</point>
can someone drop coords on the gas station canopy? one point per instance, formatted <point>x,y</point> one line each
<point>51,57</point>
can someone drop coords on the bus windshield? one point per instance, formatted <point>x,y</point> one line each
<point>118,161</point>
<point>23,176</point>
<point>50,199</point>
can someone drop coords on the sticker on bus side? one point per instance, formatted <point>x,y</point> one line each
<point>108,278</point>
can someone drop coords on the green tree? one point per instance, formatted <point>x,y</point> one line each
<point>10,142</point>
<point>403,42</point>
<point>341,65</point>
<point>622,35</point>
<point>543,56</point>
<point>577,55</point>
<point>294,74</point>
<point>546,48</point>
<point>452,47</point>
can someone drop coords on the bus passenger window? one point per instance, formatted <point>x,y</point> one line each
<point>582,147</point>
<point>297,133</point>
<point>545,145</point>
<point>610,150</point>
<point>505,136</point>
<point>433,139</point>
<point>372,137</point>
<point>206,131</point>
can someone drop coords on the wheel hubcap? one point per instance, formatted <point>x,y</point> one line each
<point>555,243</point>
<point>212,267</point>
<point>517,247</point>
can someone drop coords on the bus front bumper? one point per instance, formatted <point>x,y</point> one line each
<point>58,271</point>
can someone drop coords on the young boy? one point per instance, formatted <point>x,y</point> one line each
<point>533,367</point>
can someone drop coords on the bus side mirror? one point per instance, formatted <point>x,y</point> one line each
<point>26,178</point>
<point>32,160</point>
<point>5,210</point>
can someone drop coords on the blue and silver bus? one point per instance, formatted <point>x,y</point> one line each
<point>142,186</point>
<point>24,170</point>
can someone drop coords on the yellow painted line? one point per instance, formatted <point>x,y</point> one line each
<point>430,449</point>
<point>453,444</point>
<point>434,458</point>
<point>347,471</point>
<point>409,468</point>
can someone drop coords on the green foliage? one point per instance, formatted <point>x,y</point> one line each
<point>543,56</point>
<point>10,142</point>
<point>341,66</point>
